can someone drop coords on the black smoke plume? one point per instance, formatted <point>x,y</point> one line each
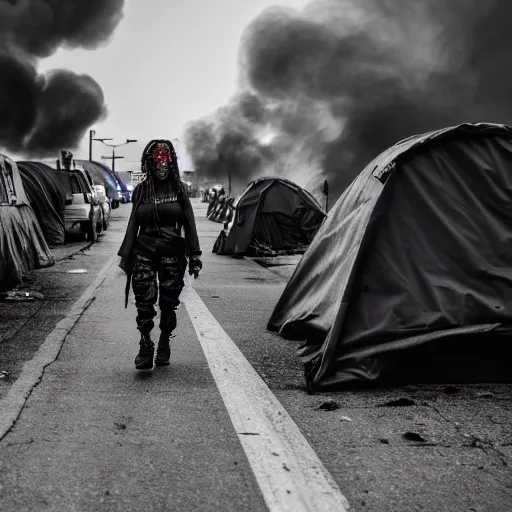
<point>326,89</point>
<point>41,114</point>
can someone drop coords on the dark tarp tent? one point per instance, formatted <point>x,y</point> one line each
<point>412,268</point>
<point>47,197</point>
<point>22,243</point>
<point>272,216</point>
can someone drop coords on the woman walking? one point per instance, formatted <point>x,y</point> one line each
<point>154,248</point>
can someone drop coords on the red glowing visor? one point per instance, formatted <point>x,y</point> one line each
<point>161,155</point>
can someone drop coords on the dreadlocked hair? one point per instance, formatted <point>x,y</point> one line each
<point>173,181</point>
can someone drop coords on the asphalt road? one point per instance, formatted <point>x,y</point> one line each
<point>228,426</point>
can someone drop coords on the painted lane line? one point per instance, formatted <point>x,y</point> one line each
<point>288,471</point>
<point>12,404</point>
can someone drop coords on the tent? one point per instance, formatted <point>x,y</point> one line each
<point>47,197</point>
<point>22,243</point>
<point>222,209</point>
<point>412,268</point>
<point>224,212</point>
<point>213,198</point>
<point>272,216</point>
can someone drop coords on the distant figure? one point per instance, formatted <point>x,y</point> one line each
<point>153,246</point>
<point>213,201</point>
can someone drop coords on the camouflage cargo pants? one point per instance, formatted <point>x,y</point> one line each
<point>170,271</point>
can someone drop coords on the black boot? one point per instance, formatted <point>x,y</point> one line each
<point>163,352</point>
<point>144,359</point>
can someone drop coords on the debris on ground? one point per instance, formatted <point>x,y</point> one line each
<point>413,436</point>
<point>451,390</point>
<point>328,405</point>
<point>484,394</point>
<point>345,418</point>
<point>384,440</point>
<point>21,296</point>
<point>399,402</point>
<point>476,442</point>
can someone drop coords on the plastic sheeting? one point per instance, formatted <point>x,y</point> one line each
<point>47,197</point>
<point>216,207</point>
<point>417,250</point>
<point>22,245</point>
<point>272,215</point>
<point>223,210</point>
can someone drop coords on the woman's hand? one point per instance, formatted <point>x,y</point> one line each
<point>195,266</point>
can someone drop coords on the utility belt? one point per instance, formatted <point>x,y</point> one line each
<point>166,242</point>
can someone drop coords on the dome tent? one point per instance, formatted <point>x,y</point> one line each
<point>47,197</point>
<point>413,259</point>
<point>272,215</point>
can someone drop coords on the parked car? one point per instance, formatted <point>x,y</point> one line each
<point>125,196</point>
<point>106,207</point>
<point>82,204</point>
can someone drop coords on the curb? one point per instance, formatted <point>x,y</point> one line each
<point>84,246</point>
<point>33,370</point>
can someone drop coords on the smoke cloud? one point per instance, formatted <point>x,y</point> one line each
<point>42,114</point>
<point>324,90</point>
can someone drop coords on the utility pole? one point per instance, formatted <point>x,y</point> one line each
<point>113,157</point>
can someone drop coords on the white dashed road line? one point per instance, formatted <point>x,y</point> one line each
<point>290,474</point>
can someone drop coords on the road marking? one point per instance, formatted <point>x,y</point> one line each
<point>12,404</point>
<point>290,474</point>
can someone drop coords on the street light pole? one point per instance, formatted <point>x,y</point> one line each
<point>92,133</point>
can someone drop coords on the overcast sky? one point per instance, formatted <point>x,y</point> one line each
<point>168,62</point>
